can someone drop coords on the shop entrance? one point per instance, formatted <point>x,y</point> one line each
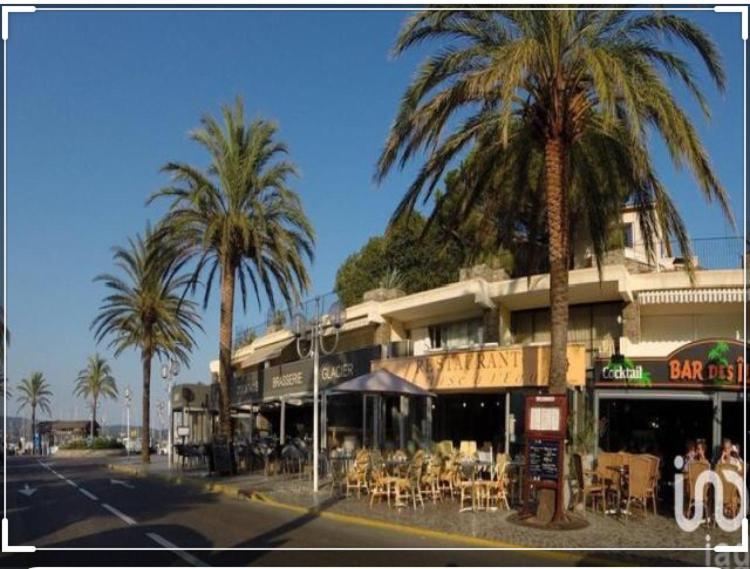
<point>478,417</point>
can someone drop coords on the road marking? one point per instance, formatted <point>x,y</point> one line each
<point>121,483</point>
<point>27,491</point>
<point>87,493</point>
<point>184,555</point>
<point>60,476</point>
<point>124,517</point>
<point>69,481</point>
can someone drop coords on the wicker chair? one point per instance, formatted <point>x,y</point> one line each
<point>694,470</point>
<point>730,493</point>
<point>357,477</point>
<point>497,488</point>
<point>587,489</point>
<point>431,480</point>
<point>606,474</point>
<point>639,482</point>
<point>448,477</point>
<point>382,485</point>
<point>409,486</point>
<point>466,485</point>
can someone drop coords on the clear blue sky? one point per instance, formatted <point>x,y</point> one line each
<point>98,101</point>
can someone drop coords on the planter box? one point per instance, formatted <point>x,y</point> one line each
<point>83,453</point>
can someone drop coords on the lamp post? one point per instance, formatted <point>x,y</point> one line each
<point>161,408</point>
<point>128,398</point>
<point>169,373</point>
<point>312,332</point>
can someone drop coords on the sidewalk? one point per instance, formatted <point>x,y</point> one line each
<point>482,529</point>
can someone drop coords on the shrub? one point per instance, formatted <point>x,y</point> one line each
<point>99,444</point>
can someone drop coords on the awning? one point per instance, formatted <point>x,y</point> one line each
<point>380,381</point>
<point>681,296</point>
<point>263,354</point>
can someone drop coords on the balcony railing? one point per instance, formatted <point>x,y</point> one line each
<point>709,253</point>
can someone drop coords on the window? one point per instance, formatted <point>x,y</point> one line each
<point>589,324</point>
<point>627,235</point>
<point>457,334</point>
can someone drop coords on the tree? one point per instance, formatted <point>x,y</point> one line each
<point>554,108</point>
<point>239,217</point>
<point>4,342</point>
<point>34,392</point>
<point>145,310</point>
<point>95,381</point>
<point>422,257</point>
<point>559,106</point>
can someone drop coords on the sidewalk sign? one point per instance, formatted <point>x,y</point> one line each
<point>546,427</point>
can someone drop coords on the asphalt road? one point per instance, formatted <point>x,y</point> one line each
<point>75,504</point>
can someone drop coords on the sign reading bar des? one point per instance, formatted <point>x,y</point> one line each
<point>717,363</point>
<point>526,366</point>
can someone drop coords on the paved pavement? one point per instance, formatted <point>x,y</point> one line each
<point>76,504</point>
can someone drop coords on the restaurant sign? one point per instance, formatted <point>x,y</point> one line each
<point>296,378</point>
<point>712,363</point>
<point>522,366</point>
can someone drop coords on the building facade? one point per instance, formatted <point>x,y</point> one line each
<point>481,344</point>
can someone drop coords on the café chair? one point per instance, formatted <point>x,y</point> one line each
<point>730,494</point>
<point>639,482</point>
<point>587,489</point>
<point>356,478</point>
<point>694,470</point>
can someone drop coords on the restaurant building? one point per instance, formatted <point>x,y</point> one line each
<point>481,344</point>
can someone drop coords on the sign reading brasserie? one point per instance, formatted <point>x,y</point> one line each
<point>296,378</point>
<point>711,363</point>
<point>489,368</point>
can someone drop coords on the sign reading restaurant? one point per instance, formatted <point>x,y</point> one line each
<point>714,362</point>
<point>525,366</point>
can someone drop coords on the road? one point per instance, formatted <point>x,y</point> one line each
<point>62,504</point>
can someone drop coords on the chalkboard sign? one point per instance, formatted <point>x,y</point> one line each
<point>222,457</point>
<point>544,460</point>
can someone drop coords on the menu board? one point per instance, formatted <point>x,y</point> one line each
<point>544,460</point>
<point>544,419</point>
<point>222,456</point>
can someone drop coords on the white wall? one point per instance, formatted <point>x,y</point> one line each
<point>420,338</point>
<point>688,327</point>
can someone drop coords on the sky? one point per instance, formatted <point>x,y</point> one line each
<point>99,101</point>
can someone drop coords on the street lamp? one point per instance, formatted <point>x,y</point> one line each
<point>312,332</point>
<point>128,398</point>
<point>169,373</point>
<point>161,409</point>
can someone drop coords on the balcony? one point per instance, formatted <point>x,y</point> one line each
<point>710,253</point>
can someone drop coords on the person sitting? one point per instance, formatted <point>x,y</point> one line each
<point>729,454</point>
<point>701,451</point>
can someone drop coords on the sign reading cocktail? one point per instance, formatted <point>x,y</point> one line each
<point>714,362</point>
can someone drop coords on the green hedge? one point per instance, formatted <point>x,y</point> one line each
<point>99,443</point>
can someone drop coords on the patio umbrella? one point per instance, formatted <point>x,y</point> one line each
<point>380,381</point>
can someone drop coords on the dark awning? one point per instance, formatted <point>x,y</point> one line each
<point>380,381</point>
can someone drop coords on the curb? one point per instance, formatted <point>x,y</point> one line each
<point>177,479</point>
<point>263,499</point>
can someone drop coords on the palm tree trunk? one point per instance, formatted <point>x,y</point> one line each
<point>226,322</point>
<point>33,429</point>
<point>146,413</point>
<point>557,225</point>
<point>93,421</point>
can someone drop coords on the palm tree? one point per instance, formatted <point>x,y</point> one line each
<point>95,381</point>
<point>4,341</point>
<point>554,111</point>
<point>34,392</point>
<point>240,217</point>
<point>146,311</point>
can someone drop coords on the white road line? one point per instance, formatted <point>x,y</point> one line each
<point>87,493</point>
<point>124,517</point>
<point>69,481</point>
<point>184,555</point>
<point>60,476</point>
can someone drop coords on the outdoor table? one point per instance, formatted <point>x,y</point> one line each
<point>622,470</point>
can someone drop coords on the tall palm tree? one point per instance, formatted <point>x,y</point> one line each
<point>240,217</point>
<point>4,342</point>
<point>95,381</point>
<point>146,311</point>
<point>34,392</point>
<point>553,109</point>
